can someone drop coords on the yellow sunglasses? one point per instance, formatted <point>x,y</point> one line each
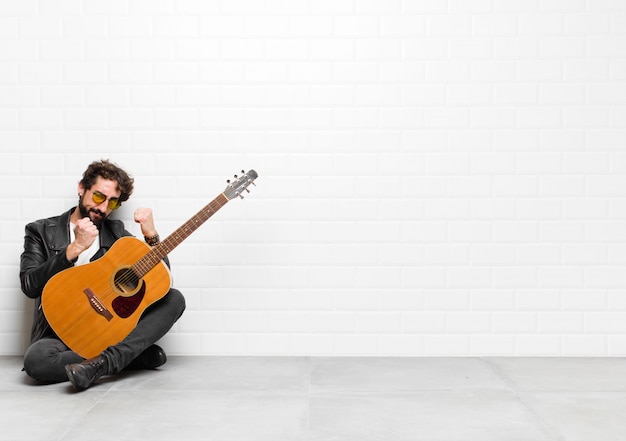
<point>98,198</point>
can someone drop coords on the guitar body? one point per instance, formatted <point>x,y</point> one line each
<point>96,305</point>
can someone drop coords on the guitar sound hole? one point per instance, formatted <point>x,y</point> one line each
<point>126,280</point>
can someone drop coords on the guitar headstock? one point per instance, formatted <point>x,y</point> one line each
<point>241,183</point>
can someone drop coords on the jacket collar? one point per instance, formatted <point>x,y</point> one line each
<point>60,236</point>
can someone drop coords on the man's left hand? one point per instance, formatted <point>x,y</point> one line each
<point>143,216</point>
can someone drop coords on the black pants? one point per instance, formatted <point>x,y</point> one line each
<point>45,359</point>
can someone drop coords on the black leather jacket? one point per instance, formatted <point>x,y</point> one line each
<point>45,242</point>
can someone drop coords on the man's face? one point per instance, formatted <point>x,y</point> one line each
<point>95,211</point>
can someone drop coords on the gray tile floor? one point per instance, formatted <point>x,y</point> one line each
<point>319,398</point>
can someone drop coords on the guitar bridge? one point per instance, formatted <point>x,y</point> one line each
<point>97,305</point>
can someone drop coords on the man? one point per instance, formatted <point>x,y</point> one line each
<point>83,234</point>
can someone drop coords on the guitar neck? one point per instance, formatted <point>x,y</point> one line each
<point>163,248</point>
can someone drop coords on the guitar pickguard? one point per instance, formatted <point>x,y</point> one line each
<point>124,307</point>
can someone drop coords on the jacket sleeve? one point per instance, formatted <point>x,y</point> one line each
<point>37,263</point>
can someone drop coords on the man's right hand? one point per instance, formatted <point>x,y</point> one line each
<point>85,234</point>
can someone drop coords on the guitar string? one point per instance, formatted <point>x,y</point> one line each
<point>152,257</point>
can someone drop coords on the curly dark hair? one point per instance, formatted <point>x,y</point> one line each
<point>110,171</point>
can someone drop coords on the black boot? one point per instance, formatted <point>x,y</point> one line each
<point>82,375</point>
<point>151,358</point>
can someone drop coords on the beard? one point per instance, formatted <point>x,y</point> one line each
<point>96,216</point>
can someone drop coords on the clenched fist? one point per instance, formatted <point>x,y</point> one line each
<point>85,234</point>
<point>143,216</point>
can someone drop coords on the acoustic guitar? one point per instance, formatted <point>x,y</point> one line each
<point>96,305</point>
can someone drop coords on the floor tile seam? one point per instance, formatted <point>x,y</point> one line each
<point>261,392</point>
<point>79,419</point>
<point>543,423</point>
<point>309,384</point>
<point>510,383</point>
<point>348,392</point>
<point>316,392</point>
<point>569,392</point>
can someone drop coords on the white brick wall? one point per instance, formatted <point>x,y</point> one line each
<point>437,177</point>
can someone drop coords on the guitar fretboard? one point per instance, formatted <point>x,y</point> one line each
<point>163,248</point>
